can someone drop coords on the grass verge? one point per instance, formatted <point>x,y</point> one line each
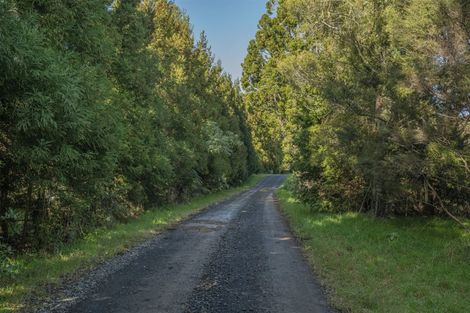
<point>33,272</point>
<point>391,265</point>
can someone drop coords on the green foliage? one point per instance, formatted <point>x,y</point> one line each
<point>401,264</point>
<point>27,274</point>
<point>108,108</point>
<point>367,102</point>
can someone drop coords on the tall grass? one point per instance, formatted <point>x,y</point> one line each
<point>391,265</point>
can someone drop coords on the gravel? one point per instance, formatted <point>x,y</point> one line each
<point>236,256</point>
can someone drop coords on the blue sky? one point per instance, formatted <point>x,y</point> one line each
<point>229,26</point>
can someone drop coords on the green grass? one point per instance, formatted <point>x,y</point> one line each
<point>395,265</point>
<point>34,272</point>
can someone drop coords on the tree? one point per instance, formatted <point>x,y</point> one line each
<point>376,103</point>
<point>108,110</point>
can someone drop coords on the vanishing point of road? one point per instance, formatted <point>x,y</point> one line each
<point>236,256</point>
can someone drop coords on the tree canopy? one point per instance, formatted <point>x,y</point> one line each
<point>108,108</point>
<point>367,102</point>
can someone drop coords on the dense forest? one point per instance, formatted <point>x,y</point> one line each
<point>367,102</point>
<point>110,108</point>
<point>107,110</point>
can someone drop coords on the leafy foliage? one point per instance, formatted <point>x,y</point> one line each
<point>107,108</point>
<point>367,102</point>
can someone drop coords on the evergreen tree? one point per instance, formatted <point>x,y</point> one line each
<point>107,109</point>
<point>375,102</point>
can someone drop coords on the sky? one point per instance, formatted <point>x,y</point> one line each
<point>229,26</point>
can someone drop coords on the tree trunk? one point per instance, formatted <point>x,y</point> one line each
<point>4,189</point>
<point>3,210</point>
<point>37,218</point>
<point>27,216</point>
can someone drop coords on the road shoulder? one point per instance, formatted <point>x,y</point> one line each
<point>42,279</point>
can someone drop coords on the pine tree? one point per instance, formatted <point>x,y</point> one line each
<point>371,97</point>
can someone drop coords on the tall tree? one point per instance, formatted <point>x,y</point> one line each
<point>377,104</point>
<point>108,108</point>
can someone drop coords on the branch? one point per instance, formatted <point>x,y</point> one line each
<point>447,211</point>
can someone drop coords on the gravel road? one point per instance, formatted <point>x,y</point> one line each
<point>237,256</point>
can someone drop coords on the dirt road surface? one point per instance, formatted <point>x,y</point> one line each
<point>237,256</point>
